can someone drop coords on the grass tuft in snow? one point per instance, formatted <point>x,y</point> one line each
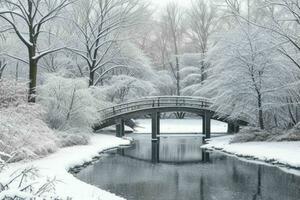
<point>22,185</point>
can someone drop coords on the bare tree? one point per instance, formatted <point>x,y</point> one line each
<point>154,40</point>
<point>99,25</point>
<point>26,19</point>
<point>202,18</point>
<point>174,21</point>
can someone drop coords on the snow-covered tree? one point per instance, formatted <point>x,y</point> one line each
<point>203,23</point>
<point>136,80</point>
<point>191,73</point>
<point>27,20</point>
<point>249,78</point>
<point>173,20</point>
<point>98,28</point>
<point>123,88</point>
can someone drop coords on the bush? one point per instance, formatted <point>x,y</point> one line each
<point>291,135</point>
<point>252,134</point>
<point>70,139</point>
<point>12,93</point>
<point>69,103</point>
<point>21,126</point>
<point>24,134</point>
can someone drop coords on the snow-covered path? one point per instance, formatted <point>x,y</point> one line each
<point>58,164</point>
<point>286,153</point>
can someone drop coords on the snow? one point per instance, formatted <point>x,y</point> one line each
<point>179,126</point>
<point>113,129</point>
<point>58,164</point>
<point>15,194</point>
<point>282,153</point>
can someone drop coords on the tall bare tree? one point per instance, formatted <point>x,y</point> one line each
<point>99,25</point>
<point>27,18</point>
<point>203,22</point>
<point>173,20</point>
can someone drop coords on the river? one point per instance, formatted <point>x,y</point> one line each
<point>184,172</point>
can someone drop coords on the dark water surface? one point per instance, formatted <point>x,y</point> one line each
<point>182,175</point>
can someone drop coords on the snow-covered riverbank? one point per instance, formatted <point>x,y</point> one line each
<point>278,153</point>
<point>58,164</point>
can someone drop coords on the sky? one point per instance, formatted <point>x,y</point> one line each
<point>158,5</point>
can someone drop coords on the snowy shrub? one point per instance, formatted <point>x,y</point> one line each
<point>291,135</point>
<point>12,93</point>
<point>123,88</point>
<point>69,103</point>
<point>251,134</point>
<point>71,139</point>
<point>22,130</point>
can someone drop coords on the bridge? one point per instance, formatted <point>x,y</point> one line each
<point>119,114</point>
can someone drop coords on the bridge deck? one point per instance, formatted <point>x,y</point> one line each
<point>148,105</point>
<point>155,102</point>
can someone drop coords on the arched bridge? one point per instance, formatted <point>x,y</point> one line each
<point>120,113</point>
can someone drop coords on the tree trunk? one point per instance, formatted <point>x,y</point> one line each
<point>202,67</point>
<point>177,77</point>
<point>260,113</point>
<point>17,72</point>
<point>91,78</point>
<point>32,75</point>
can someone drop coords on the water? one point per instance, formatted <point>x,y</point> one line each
<point>182,174</point>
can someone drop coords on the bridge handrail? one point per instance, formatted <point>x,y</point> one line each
<point>155,104</point>
<point>161,97</point>
<point>158,101</point>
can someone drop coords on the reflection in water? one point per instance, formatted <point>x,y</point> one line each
<point>168,150</point>
<point>134,177</point>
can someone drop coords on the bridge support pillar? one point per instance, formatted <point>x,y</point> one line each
<point>155,125</point>
<point>120,128</point>
<point>206,125</point>
<point>205,156</point>
<point>155,151</point>
<point>233,127</point>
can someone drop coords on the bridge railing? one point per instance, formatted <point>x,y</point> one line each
<point>155,102</point>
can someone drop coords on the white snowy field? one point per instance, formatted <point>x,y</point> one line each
<point>58,164</point>
<point>179,126</point>
<point>282,153</point>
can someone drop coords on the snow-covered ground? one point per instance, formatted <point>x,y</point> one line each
<point>279,153</point>
<point>179,126</point>
<point>58,164</point>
